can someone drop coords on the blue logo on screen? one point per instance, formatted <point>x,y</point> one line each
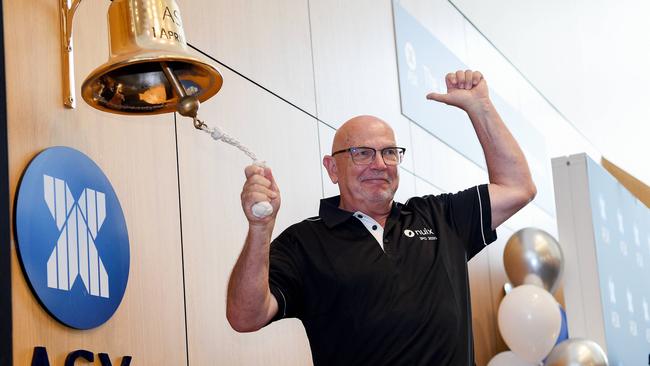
<point>72,238</point>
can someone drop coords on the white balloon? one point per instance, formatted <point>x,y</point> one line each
<point>529,320</point>
<point>508,358</point>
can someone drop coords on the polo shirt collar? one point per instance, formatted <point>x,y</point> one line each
<point>332,215</point>
<point>330,212</point>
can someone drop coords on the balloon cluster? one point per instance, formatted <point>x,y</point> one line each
<point>531,322</point>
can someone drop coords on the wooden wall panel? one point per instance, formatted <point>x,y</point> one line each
<point>138,156</point>
<point>214,226</point>
<point>484,321</point>
<point>6,351</point>
<point>498,279</point>
<point>639,189</point>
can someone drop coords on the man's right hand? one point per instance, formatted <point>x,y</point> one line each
<point>250,304</point>
<point>260,186</point>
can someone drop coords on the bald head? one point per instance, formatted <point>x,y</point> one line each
<point>357,129</point>
<point>368,187</point>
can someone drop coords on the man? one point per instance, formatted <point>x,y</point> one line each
<point>376,282</point>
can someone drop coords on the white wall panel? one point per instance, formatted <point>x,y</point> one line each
<point>267,41</point>
<point>523,218</point>
<point>214,226</point>
<point>561,137</point>
<point>532,215</point>
<point>355,67</point>
<point>402,128</point>
<point>546,222</point>
<point>406,188</point>
<point>422,187</point>
<point>501,76</point>
<point>442,166</point>
<point>326,137</point>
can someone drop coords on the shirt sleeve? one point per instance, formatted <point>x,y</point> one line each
<point>470,215</point>
<point>285,278</point>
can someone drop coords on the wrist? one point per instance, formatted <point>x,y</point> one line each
<point>479,106</point>
<point>259,229</point>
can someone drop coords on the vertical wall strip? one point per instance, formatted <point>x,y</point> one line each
<point>6,346</point>
<point>180,216</point>
<point>313,77</point>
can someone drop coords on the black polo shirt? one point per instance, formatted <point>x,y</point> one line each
<point>405,305</point>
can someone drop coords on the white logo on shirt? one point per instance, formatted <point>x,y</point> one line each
<point>423,234</point>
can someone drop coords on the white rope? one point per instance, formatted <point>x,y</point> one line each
<point>260,209</point>
<point>218,134</point>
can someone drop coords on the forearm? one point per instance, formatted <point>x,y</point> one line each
<point>506,163</point>
<point>250,304</point>
<point>511,186</point>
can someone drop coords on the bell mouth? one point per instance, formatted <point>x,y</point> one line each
<point>136,84</point>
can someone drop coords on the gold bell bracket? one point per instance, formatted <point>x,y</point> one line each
<point>67,11</point>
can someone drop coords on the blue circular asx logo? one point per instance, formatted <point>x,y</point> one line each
<point>72,238</point>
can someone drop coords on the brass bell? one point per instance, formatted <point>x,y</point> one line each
<point>149,70</point>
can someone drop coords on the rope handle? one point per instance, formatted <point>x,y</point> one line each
<point>259,209</point>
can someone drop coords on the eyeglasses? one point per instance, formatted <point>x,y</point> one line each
<point>366,155</point>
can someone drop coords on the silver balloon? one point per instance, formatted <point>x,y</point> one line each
<point>532,256</point>
<point>577,352</point>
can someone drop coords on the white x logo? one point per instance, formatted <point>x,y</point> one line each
<point>75,253</point>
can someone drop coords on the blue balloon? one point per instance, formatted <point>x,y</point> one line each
<point>564,329</point>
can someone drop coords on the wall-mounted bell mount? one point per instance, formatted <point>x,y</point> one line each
<point>67,11</point>
<point>149,70</point>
